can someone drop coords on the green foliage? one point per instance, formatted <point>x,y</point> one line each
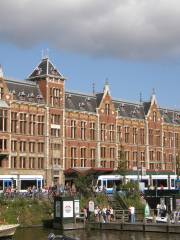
<point>122,162</point>
<point>99,200</point>
<point>130,195</point>
<point>84,185</point>
<point>25,211</point>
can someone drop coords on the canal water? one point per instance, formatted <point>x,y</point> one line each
<point>41,234</point>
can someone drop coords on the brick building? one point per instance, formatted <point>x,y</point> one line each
<point>45,130</point>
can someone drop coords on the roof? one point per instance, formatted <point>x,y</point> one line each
<point>129,110</point>
<point>25,91</point>
<point>45,68</point>
<point>80,102</point>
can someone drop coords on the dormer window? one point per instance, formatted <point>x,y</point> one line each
<point>154,116</point>
<point>1,93</point>
<point>107,108</point>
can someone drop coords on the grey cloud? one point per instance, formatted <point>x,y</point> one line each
<point>130,29</point>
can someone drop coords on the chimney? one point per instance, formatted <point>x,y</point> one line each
<point>1,72</point>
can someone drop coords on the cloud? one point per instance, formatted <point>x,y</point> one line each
<point>125,29</point>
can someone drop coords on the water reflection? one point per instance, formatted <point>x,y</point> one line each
<point>41,234</point>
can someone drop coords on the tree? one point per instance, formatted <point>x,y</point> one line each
<point>122,162</point>
<point>84,185</point>
<point>178,165</point>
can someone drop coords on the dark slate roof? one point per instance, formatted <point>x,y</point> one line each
<point>170,116</point>
<point>25,91</point>
<point>45,68</point>
<point>99,97</point>
<point>146,107</point>
<point>80,102</point>
<point>129,110</point>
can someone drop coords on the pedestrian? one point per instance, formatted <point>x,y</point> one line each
<point>132,214</point>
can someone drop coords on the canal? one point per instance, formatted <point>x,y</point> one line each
<point>41,234</point>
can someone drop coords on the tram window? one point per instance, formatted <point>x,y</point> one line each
<point>1,184</point>
<point>99,183</point>
<point>27,183</point>
<point>172,183</point>
<point>104,183</point>
<point>160,182</point>
<point>110,183</point>
<point>118,182</point>
<point>145,181</point>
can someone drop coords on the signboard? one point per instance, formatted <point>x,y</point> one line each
<point>58,209</point>
<point>91,206</point>
<point>76,208</point>
<point>68,209</point>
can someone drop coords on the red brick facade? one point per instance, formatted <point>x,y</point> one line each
<point>45,130</point>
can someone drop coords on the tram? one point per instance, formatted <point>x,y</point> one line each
<point>161,182</point>
<point>20,181</point>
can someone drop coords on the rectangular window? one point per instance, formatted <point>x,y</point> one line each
<point>112,164</point>
<point>73,129</point>
<point>135,135</point>
<point>93,156</point>
<point>31,162</point>
<point>32,147</point>
<point>142,136</point>
<point>3,144</point>
<point>151,155</point>
<point>177,140</point>
<point>150,136</point>
<point>22,147</point>
<point>111,133</point>
<point>13,162</point>
<point>40,162</point>
<point>73,157</point>
<point>14,146</point>
<point>1,93</point>
<point>158,156</point>
<point>22,162</point>
<point>83,130</point>
<point>23,123</point>
<point>103,164</point>
<point>158,138</point>
<point>40,125</point>
<point>103,132</point>
<point>103,152</point>
<point>126,134</point>
<point>40,147</point>
<point>92,130</point>
<point>107,109</point>
<point>119,133</point>
<point>32,124</point>
<point>112,153</point>
<point>14,122</point>
<point>83,157</point>
<point>3,120</point>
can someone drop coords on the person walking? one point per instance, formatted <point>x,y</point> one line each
<point>132,214</point>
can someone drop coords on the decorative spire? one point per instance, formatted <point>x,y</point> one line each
<point>106,87</point>
<point>153,97</point>
<point>1,72</point>
<point>140,97</point>
<point>93,88</point>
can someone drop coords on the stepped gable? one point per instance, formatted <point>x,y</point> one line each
<point>170,116</point>
<point>80,102</point>
<point>129,110</point>
<point>45,68</point>
<point>25,91</point>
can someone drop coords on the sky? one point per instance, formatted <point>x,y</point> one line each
<point>134,44</point>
